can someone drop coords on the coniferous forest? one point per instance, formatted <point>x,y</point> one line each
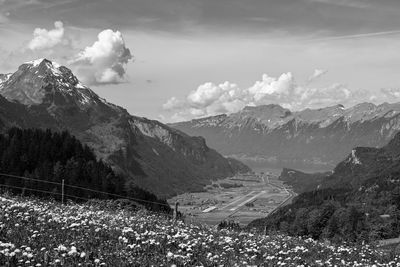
<point>53,157</point>
<point>340,214</point>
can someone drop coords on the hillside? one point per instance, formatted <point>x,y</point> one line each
<point>315,139</point>
<point>302,182</point>
<point>43,94</point>
<point>35,162</point>
<point>360,200</point>
<point>103,234</point>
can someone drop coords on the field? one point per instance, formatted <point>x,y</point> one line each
<point>45,233</point>
<point>241,198</point>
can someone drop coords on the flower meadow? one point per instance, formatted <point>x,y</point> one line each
<point>35,232</point>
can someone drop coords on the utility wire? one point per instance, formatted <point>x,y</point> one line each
<point>83,188</point>
<point>31,179</point>
<point>193,219</point>
<point>42,191</point>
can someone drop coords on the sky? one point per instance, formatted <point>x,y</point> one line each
<point>175,60</point>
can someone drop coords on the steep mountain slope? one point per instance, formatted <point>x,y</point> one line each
<point>55,157</point>
<point>318,138</point>
<point>364,163</point>
<point>163,160</point>
<point>360,200</point>
<point>301,181</point>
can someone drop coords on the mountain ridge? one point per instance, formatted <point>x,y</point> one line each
<point>359,201</point>
<point>47,95</point>
<point>274,135</point>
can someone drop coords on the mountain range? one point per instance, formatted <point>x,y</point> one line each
<point>310,138</point>
<point>163,160</point>
<point>359,200</point>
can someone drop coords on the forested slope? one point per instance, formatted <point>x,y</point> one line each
<point>53,157</point>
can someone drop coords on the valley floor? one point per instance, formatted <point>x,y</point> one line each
<point>242,198</point>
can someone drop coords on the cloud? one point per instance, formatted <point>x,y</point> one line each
<point>172,103</point>
<point>356,36</point>
<point>211,99</point>
<point>105,61</point>
<point>390,93</point>
<point>45,39</point>
<point>344,3</point>
<point>317,73</point>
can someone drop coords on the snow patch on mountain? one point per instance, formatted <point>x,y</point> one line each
<point>4,78</point>
<point>35,62</point>
<point>353,158</point>
<point>43,80</point>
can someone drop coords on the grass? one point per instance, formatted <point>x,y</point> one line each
<point>35,232</point>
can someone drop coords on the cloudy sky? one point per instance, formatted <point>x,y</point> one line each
<point>181,59</point>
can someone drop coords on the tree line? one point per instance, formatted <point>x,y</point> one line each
<point>56,156</point>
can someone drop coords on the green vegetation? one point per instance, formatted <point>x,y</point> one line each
<point>52,157</point>
<point>341,214</point>
<point>359,201</point>
<point>44,233</point>
<point>301,181</point>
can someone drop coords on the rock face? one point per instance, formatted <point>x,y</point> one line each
<point>315,138</point>
<point>158,158</point>
<point>364,163</point>
<point>360,200</point>
<point>361,165</point>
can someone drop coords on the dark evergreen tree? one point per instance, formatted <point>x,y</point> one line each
<point>53,157</point>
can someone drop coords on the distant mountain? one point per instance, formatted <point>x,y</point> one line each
<point>316,138</point>
<point>364,163</point>
<point>301,181</point>
<point>360,200</point>
<point>158,158</point>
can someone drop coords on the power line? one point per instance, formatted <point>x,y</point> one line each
<point>30,189</point>
<point>42,191</point>
<point>192,219</point>
<point>115,195</point>
<point>83,188</point>
<point>28,178</point>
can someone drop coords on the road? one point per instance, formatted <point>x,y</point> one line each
<point>285,202</point>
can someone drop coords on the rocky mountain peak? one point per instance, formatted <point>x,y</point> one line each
<point>307,138</point>
<point>263,109</point>
<point>156,157</point>
<point>43,81</point>
<point>267,115</point>
<point>45,68</point>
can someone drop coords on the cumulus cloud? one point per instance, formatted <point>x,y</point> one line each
<point>390,93</point>
<point>317,73</point>
<point>212,99</point>
<point>45,39</point>
<point>105,61</point>
<point>173,103</point>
